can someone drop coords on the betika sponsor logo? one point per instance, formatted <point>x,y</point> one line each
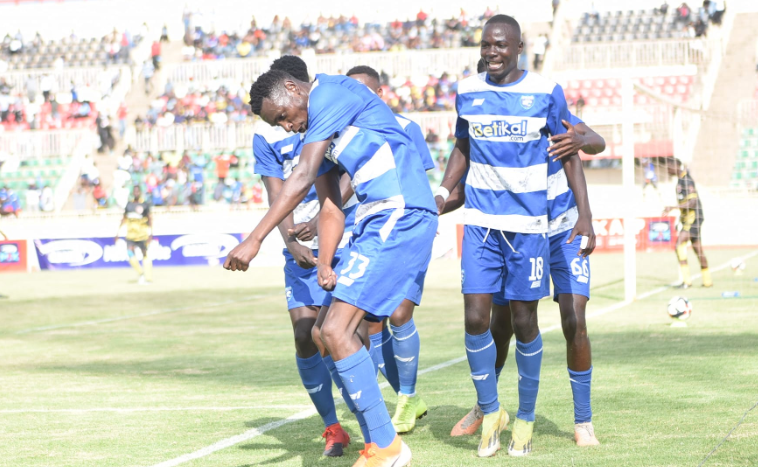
<point>499,129</point>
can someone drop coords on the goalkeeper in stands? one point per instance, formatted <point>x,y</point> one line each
<point>691,218</point>
<point>139,234</point>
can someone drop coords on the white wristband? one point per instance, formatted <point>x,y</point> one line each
<point>444,192</point>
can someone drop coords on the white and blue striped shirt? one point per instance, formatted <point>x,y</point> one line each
<point>508,127</point>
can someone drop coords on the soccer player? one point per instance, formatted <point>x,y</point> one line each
<point>570,271</point>
<point>139,234</point>
<point>276,153</point>
<point>505,117</point>
<point>396,223</point>
<point>396,355</point>
<point>691,219</point>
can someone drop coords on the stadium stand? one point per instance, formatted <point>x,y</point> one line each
<point>654,24</point>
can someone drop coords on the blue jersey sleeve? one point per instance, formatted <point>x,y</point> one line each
<point>414,130</point>
<point>574,120</point>
<point>267,163</point>
<point>331,108</point>
<point>558,111</point>
<point>461,125</point>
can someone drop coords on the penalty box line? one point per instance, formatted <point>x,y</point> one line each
<point>255,432</point>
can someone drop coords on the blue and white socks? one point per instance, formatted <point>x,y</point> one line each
<point>406,345</point>
<point>383,357</point>
<point>359,380</point>
<point>481,353</point>
<point>329,362</point>
<point>580,387</point>
<point>318,383</point>
<point>529,362</point>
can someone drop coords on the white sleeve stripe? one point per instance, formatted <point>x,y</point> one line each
<point>512,179</point>
<point>343,140</point>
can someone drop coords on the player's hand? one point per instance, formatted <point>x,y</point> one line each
<point>239,258</point>
<point>584,228</point>
<point>304,231</point>
<point>667,210</point>
<point>327,278</point>
<point>440,204</point>
<point>303,255</point>
<point>567,144</point>
<point>149,240</point>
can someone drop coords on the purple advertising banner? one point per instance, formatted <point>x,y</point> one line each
<point>165,250</point>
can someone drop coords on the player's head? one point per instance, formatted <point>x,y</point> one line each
<point>368,76</point>
<point>137,193</point>
<point>280,99</point>
<point>293,65</point>
<point>674,167</point>
<point>481,66</point>
<point>501,45</point>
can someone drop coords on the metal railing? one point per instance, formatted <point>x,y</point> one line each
<point>39,144</point>
<point>401,63</point>
<point>633,54</point>
<point>62,79</point>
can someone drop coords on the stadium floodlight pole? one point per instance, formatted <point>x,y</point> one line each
<point>627,177</point>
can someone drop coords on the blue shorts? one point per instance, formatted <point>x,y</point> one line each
<point>301,285</point>
<point>570,272</point>
<point>386,261</point>
<point>493,260</point>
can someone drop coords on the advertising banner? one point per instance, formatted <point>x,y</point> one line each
<point>165,250</point>
<point>13,256</point>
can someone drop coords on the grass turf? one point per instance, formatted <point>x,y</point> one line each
<point>98,371</point>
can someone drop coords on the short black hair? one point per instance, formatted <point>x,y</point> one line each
<point>365,70</point>
<point>264,86</point>
<point>505,19</point>
<point>481,65</point>
<point>293,65</point>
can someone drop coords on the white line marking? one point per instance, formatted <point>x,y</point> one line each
<point>140,315</point>
<point>155,409</point>
<point>255,432</point>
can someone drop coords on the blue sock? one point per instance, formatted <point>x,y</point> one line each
<point>481,353</point>
<point>406,345</point>
<point>580,387</point>
<point>329,362</point>
<point>498,369</point>
<point>359,378</point>
<point>318,382</point>
<point>528,361</point>
<point>384,357</point>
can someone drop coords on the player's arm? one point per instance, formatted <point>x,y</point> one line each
<point>331,225</point>
<point>303,255</point>
<point>457,166</point>
<point>307,230</point>
<point>293,191</point>
<point>575,175</point>
<point>577,137</point>
<point>150,225</point>
<point>558,124</point>
<point>688,202</point>
<point>456,199</point>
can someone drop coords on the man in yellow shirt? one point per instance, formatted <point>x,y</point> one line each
<point>139,234</point>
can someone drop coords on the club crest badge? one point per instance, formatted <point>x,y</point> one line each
<point>527,102</point>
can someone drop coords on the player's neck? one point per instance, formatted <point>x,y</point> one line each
<point>510,78</point>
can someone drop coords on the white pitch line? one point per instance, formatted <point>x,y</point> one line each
<point>154,409</point>
<point>140,315</point>
<point>255,432</point>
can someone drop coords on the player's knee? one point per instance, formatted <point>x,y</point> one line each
<point>130,253</point>
<point>332,336</point>
<point>316,333</point>
<point>303,336</point>
<point>476,324</point>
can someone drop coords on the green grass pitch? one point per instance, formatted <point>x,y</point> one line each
<point>98,371</point>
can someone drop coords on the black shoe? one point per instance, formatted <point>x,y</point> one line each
<point>683,285</point>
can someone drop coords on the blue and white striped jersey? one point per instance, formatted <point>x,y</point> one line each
<point>414,131</point>
<point>561,204</point>
<point>508,127</point>
<point>369,144</point>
